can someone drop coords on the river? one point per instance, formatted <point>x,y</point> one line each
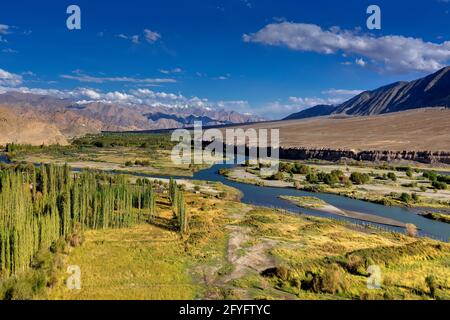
<point>269,197</point>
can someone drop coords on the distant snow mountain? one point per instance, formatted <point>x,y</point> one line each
<point>430,91</point>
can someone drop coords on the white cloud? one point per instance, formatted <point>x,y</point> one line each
<point>122,36</point>
<point>151,36</point>
<point>281,109</point>
<point>78,76</point>
<point>175,70</point>
<point>308,102</point>
<point>344,92</point>
<point>135,39</point>
<point>9,50</point>
<point>4,29</point>
<point>393,52</point>
<point>223,77</point>
<point>9,79</point>
<point>361,62</point>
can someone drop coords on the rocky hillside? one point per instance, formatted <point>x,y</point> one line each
<point>430,91</point>
<point>17,129</point>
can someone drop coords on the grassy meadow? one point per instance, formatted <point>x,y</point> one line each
<point>235,251</point>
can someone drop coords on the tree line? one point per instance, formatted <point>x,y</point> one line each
<point>39,205</point>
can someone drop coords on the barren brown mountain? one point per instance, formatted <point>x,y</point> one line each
<point>14,128</point>
<point>417,130</point>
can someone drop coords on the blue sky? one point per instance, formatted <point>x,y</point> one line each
<point>264,57</point>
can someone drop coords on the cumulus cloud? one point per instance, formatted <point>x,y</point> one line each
<point>393,53</point>
<point>151,36</point>
<point>134,97</point>
<point>9,79</point>
<point>81,77</point>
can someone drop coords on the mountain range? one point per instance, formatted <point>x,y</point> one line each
<point>71,118</point>
<point>430,91</point>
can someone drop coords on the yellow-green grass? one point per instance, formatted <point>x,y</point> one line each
<point>149,262</point>
<point>310,244</point>
<point>144,262</point>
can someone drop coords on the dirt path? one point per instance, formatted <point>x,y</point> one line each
<point>247,259</point>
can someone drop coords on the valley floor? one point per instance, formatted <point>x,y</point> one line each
<point>236,251</point>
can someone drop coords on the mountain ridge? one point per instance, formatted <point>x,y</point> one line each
<point>430,91</point>
<point>72,118</point>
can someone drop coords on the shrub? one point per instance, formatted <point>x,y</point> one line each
<point>405,197</point>
<point>312,178</point>
<point>355,264</point>
<point>431,175</point>
<point>301,169</point>
<point>438,185</point>
<point>76,239</point>
<point>409,173</point>
<point>99,144</point>
<point>330,179</point>
<point>128,163</point>
<point>277,176</point>
<point>359,178</point>
<point>431,284</point>
<point>392,176</point>
<point>333,280</point>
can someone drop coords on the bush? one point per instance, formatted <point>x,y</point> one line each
<point>332,280</point>
<point>76,239</point>
<point>431,284</point>
<point>409,173</point>
<point>277,176</point>
<point>392,176</point>
<point>431,175</point>
<point>301,169</point>
<point>359,178</point>
<point>330,179</point>
<point>405,197</point>
<point>99,144</point>
<point>312,178</point>
<point>438,185</point>
<point>142,163</point>
<point>355,264</point>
